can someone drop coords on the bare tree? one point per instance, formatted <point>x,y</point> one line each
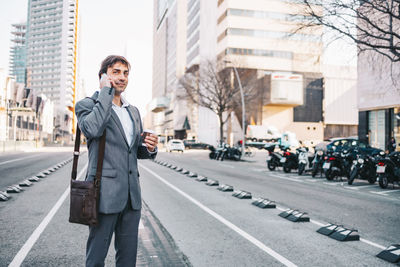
<point>374,25</point>
<point>213,86</point>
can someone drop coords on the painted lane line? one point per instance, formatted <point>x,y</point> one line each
<point>311,180</point>
<point>13,160</point>
<point>141,225</point>
<point>286,178</point>
<point>238,230</point>
<point>23,252</point>
<point>351,187</point>
<point>390,191</point>
<point>226,165</point>
<point>330,183</point>
<point>367,186</point>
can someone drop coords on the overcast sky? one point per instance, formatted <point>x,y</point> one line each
<point>122,27</point>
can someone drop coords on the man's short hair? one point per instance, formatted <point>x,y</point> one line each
<point>110,61</point>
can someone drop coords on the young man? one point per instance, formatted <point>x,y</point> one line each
<point>120,199</point>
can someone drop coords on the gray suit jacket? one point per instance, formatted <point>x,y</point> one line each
<point>120,175</point>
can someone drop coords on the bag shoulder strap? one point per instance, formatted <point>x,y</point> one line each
<point>100,158</point>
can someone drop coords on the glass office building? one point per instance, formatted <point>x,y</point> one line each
<point>18,52</point>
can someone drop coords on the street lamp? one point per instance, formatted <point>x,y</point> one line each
<point>243,106</point>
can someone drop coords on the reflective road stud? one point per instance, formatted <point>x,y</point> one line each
<point>391,254</point>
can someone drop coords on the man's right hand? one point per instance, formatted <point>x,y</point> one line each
<point>105,81</point>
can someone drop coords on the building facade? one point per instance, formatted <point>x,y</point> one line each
<point>17,66</point>
<point>52,56</point>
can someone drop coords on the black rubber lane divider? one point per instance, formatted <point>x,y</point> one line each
<point>168,165</point>
<point>225,188</point>
<point>212,182</point>
<point>338,232</point>
<point>14,189</point>
<point>242,194</point>
<point>390,254</point>
<point>185,171</point>
<point>264,203</point>
<point>46,172</point>
<point>25,183</point>
<point>343,234</point>
<point>295,215</point>
<point>192,175</point>
<point>33,179</point>
<point>4,196</point>
<point>201,178</point>
<point>174,167</point>
<point>178,169</point>
<point>40,175</point>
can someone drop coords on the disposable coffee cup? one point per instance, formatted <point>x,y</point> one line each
<point>146,132</point>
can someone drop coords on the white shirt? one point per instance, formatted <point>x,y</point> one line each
<point>124,118</point>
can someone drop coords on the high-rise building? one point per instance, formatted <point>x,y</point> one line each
<point>52,32</point>
<point>18,52</point>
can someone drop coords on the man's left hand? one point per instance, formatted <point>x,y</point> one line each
<point>151,142</point>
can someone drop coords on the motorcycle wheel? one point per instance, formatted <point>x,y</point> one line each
<point>301,169</point>
<point>329,175</point>
<point>372,179</point>
<point>383,181</point>
<point>271,166</point>
<point>314,170</point>
<point>211,155</point>
<point>286,168</point>
<point>353,175</point>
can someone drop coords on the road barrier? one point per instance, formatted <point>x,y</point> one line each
<point>212,182</point>
<point>201,178</point>
<point>185,171</point>
<point>225,188</point>
<point>242,194</point>
<point>4,196</point>
<point>264,203</point>
<point>390,254</point>
<point>338,232</point>
<point>295,215</point>
<point>25,183</point>
<point>192,175</point>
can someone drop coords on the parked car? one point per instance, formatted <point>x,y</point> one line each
<point>175,145</point>
<point>193,144</point>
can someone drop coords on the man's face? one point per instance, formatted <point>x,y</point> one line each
<point>119,76</point>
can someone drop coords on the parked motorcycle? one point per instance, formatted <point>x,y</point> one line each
<point>232,153</point>
<point>363,167</point>
<point>290,161</point>
<point>305,160</point>
<point>337,164</point>
<point>317,163</point>
<point>273,158</point>
<point>388,169</point>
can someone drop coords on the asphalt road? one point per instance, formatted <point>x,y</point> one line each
<point>34,228</point>
<point>16,166</point>
<point>186,209</point>
<point>187,223</point>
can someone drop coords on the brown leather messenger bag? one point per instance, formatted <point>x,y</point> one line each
<point>84,204</point>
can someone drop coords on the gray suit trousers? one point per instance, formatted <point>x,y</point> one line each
<point>125,225</point>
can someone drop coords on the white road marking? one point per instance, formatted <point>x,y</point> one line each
<point>141,226</point>
<point>311,180</point>
<point>384,192</point>
<point>226,165</point>
<point>13,160</point>
<point>238,230</point>
<point>351,187</point>
<point>367,186</point>
<point>330,183</point>
<point>23,252</point>
<point>286,178</point>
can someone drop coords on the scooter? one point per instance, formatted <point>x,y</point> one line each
<point>273,158</point>
<point>363,167</point>
<point>290,161</point>
<point>337,164</point>
<point>317,163</point>
<point>388,169</point>
<point>305,160</point>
